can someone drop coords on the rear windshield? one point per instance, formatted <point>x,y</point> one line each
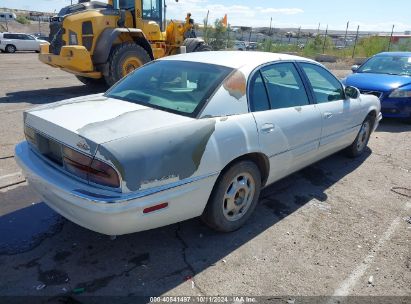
<point>179,87</point>
<point>387,64</point>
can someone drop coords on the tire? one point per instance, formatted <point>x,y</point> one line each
<point>10,48</point>
<point>190,44</point>
<point>124,59</point>
<point>234,197</point>
<point>93,83</point>
<point>195,45</point>
<point>361,141</point>
<point>203,48</point>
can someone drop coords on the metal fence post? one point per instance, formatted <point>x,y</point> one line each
<point>355,43</point>
<point>346,32</point>
<point>392,33</point>
<point>325,38</point>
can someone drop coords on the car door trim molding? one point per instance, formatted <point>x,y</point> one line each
<point>294,148</point>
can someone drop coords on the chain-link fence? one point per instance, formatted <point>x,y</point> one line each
<point>306,42</point>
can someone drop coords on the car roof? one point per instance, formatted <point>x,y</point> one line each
<point>235,59</point>
<point>394,54</point>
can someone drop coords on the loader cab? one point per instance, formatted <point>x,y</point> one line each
<point>149,10</point>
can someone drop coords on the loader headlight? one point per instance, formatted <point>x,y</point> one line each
<point>73,38</point>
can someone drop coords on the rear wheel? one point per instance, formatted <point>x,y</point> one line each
<point>10,48</point>
<point>360,143</point>
<point>93,83</point>
<point>234,197</point>
<point>124,59</point>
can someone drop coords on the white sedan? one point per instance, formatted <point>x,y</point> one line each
<point>190,135</point>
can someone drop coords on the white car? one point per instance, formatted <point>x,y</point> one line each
<point>196,134</point>
<point>240,46</point>
<point>12,42</point>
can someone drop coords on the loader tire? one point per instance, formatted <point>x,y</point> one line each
<point>203,48</point>
<point>124,59</point>
<point>195,45</point>
<point>95,84</point>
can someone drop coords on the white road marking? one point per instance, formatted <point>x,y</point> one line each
<point>349,283</point>
<point>10,175</point>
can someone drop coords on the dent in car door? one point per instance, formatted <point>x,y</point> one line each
<point>289,126</point>
<point>339,115</point>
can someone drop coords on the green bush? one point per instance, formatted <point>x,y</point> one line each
<point>22,20</point>
<point>373,45</point>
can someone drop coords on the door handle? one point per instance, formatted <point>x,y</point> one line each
<point>268,128</point>
<point>328,115</point>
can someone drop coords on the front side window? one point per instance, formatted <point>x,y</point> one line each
<point>325,86</point>
<point>176,86</point>
<point>284,86</point>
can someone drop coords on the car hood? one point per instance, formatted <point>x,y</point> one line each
<point>93,120</point>
<point>377,82</point>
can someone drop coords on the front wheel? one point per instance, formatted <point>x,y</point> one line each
<point>234,197</point>
<point>10,48</point>
<point>361,141</point>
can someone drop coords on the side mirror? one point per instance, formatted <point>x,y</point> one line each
<point>352,92</point>
<point>354,68</point>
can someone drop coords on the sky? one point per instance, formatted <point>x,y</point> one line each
<point>371,15</point>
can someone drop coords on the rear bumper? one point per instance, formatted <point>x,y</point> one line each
<point>107,212</point>
<point>73,59</point>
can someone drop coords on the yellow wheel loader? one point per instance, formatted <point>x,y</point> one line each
<point>102,42</point>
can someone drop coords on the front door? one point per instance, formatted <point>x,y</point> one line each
<point>339,114</point>
<point>289,126</point>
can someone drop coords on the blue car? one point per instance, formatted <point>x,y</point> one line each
<point>387,76</point>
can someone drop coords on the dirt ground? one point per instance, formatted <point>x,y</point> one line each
<point>338,228</point>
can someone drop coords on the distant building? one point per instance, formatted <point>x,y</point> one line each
<point>398,38</point>
<point>7,16</point>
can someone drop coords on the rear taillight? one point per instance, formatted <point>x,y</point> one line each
<point>85,167</point>
<point>103,174</point>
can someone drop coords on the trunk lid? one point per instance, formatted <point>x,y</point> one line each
<point>86,122</point>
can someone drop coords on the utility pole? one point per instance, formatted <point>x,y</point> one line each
<point>355,43</point>
<point>346,32</point>
<point>392,33</point>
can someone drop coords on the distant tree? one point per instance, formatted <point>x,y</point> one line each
<point>219,36</point>
<point>22,20</point>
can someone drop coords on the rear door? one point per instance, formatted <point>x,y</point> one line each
<point>340,115</point>
<point>289,126</point>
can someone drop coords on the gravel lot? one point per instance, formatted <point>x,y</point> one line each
<point>323,231</point>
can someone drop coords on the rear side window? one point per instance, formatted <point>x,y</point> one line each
<point>258,94</point>
<point>284,85</point>
<point>325,86</point>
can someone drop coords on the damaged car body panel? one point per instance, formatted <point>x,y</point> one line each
<point>152,150</point>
